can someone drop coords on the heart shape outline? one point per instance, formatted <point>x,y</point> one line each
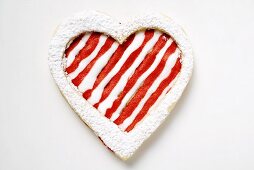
<point>121,143</point>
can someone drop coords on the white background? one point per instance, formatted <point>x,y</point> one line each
<point>212,126</point>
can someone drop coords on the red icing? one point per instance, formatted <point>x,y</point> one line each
<point>77,80</point>
<point>133,103</point>
<point>112,83</point>
<point>85,52</point>
<point>109,66</point>
<point>175,70</point>
<point>146,63</point>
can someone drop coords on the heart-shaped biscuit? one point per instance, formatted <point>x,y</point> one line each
<point>122,79</point>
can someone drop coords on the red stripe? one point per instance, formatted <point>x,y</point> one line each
<point>85,52</point>
<point>110,65</point>
<point>73,45</point>
<point>130,60</point>
<point>143,67</point>
<point>175,70</point>
<point>77,80</point>
<point>133,103</point>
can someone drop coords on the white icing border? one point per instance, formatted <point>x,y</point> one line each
<point>122,143</point>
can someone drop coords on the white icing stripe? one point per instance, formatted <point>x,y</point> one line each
<point>165,72</point>
<point>88,59</point>
<point>96,95</point>
<point>76,50</point>
<point>107,103</point>
<point>90,78</point>
<point>141,79</point>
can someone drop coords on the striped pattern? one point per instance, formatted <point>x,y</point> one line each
<point>124,82</point>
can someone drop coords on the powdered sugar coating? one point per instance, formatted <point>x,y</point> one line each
<point>123,144</point>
